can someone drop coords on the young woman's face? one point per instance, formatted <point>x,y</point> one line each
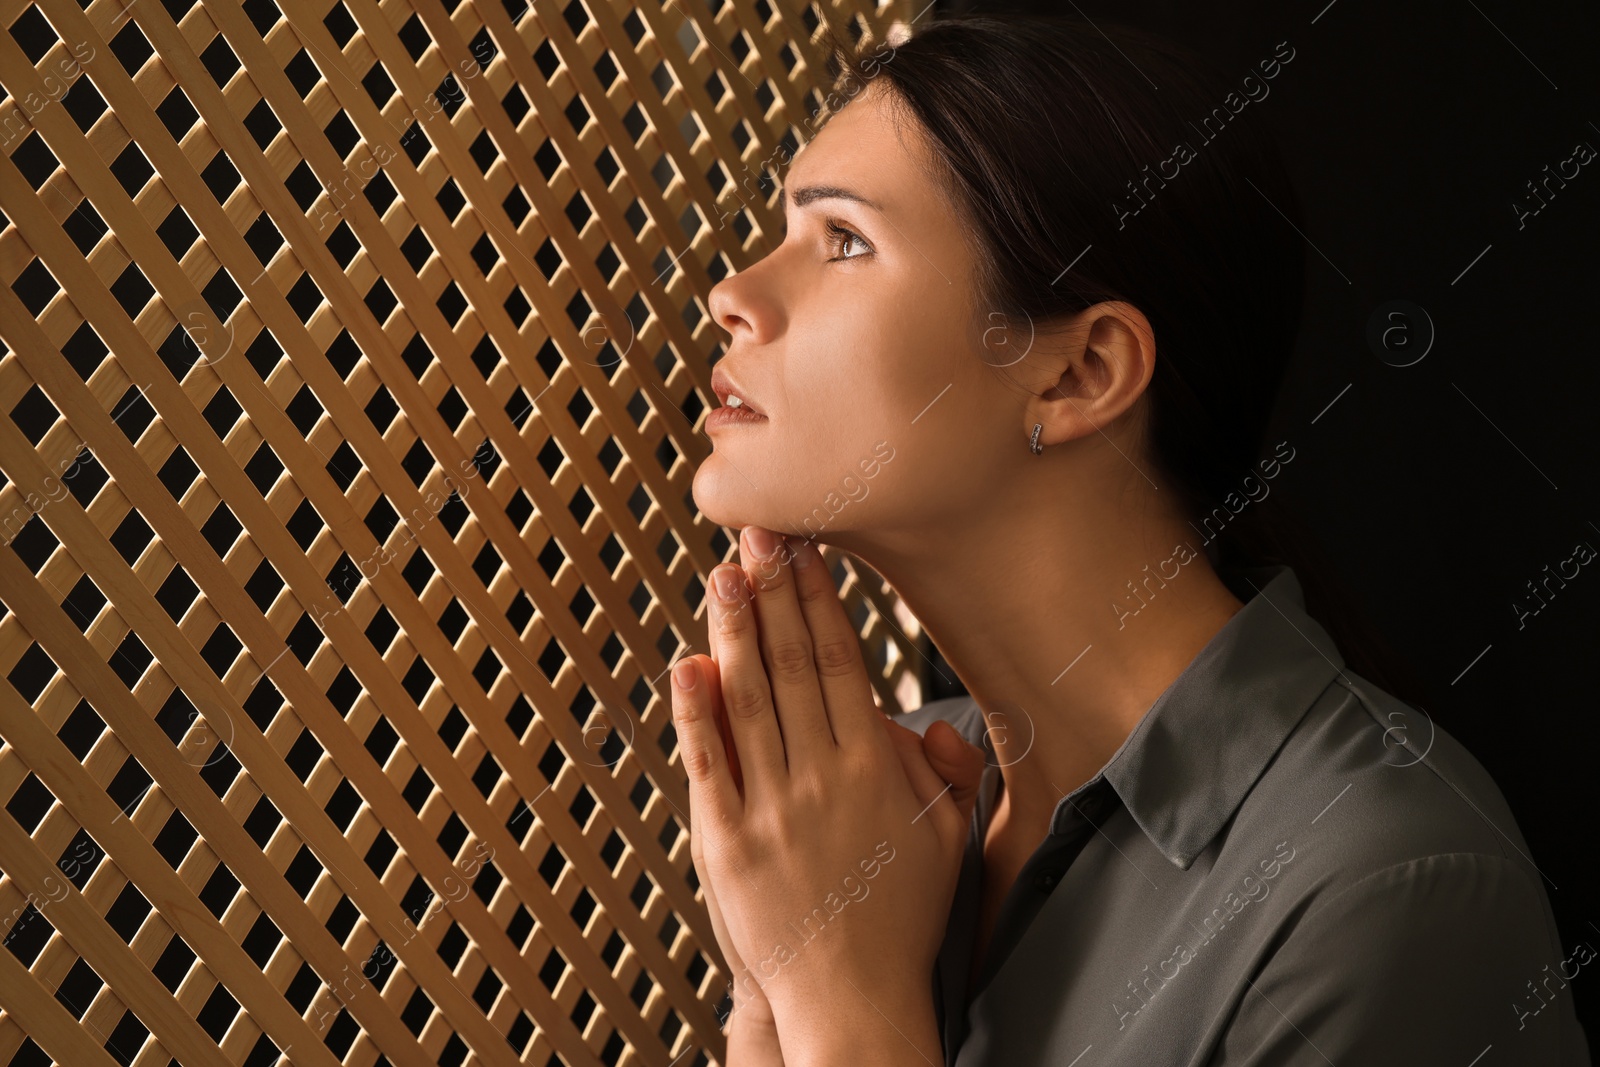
<point>859,340</point>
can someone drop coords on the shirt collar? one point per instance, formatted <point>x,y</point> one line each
<point>1186,767</point>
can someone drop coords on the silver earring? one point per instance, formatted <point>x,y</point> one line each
<point>1033,442</point>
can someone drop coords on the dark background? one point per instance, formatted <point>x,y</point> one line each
<point>1442,488</point>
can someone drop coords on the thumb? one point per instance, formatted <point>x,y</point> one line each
<point>958,762</point>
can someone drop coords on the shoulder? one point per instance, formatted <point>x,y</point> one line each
<point>1382,783</point>
<point>1383,806</point>
<point>1415,903</point>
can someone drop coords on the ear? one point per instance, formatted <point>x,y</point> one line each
<point>1087,372</point>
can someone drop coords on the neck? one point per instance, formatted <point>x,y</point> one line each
<point>1063,626</point>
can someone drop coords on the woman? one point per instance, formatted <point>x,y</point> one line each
<point>1017,351</point>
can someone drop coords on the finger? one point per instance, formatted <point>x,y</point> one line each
<point>745,693</point>
<point>711,631</point>
<point>713,798</point>
<point>835,651</point>
<point>930,789</point>
<point>958,761</point>
<point>786,648</point>
<point>713,676</point>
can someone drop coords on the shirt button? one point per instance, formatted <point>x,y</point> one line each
<point>1045,881</point>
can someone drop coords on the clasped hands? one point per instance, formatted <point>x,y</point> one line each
<point>828,838</point>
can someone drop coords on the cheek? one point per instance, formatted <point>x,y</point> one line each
<point>870,371</point>
<point>895,428</point>
<point>835,379</point>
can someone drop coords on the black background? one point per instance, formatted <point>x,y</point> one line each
<point>1442,488</point>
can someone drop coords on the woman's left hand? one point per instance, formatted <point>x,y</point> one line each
<point>837,862</point>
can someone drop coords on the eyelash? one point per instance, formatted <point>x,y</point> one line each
<point>836,238</point>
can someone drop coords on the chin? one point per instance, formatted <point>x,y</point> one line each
<point>721,495</point>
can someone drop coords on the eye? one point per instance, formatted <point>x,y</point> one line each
<point>839,237</point>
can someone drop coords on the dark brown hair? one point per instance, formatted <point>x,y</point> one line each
<point>1063,157</point>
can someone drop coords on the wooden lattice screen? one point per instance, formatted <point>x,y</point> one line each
<point>354,358</point>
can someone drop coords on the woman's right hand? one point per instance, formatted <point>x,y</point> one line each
<point>959,762</point>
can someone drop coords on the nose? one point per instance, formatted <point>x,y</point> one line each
<point>745,306</point>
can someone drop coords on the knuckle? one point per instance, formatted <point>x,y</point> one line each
<point>699,762</point>
<point>836,656</point>
<point>864,764</point>
<point>743,699</point>
<point>810,592</point>
<point>810,786</point>
<point>734,620</point>
<point>775,836</point>
<point>767,575</point>
<point>789,659</point>
<point>685,711</point>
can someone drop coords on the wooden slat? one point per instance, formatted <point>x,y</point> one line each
<point>346,509</point>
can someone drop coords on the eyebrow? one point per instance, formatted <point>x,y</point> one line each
<point>806,195</point>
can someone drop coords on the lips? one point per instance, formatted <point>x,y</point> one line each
<point>731,393</point>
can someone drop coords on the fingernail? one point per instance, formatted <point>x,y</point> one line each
<point>763,542</point>
<point>805,554</point>
<point>726,579</point>
<point>684,674</point>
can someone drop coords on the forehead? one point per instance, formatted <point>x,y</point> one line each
<point>868,147</point>
<point>875,148</point>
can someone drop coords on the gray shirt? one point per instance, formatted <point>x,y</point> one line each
<point>1281,865</point>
